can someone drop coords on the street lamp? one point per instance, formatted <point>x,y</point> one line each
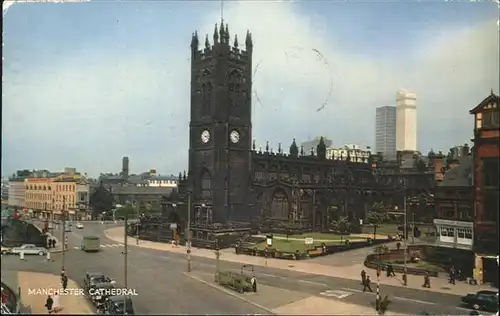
<point>188,232</point>
<point>64,242</point>
<point>405,250</point>
<point>217,256</point>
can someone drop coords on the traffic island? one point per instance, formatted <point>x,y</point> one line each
<point>240,283</point>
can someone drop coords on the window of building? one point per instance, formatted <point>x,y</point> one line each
<point>490,171</point>
<point>468,233</point>
<point>206,185</point>
<point>444,231</point>
<point>491,119</point>
<point>259,175</point>
<point>451,232</point>
<point>316,177</point>
<point>306,177</point>
<point>272,176</point>
<point>479,120</point>
<point>461,233</point>
<point>490,207</point>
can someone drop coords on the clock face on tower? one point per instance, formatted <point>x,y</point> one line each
<point>205,136</point>
<point>234,136</point>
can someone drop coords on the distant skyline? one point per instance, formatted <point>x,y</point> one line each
<point>87,83</point>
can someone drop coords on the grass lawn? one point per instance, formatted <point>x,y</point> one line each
<point>392,229</point>
<point>315,235</point>
<point>292,245</point>
<point>421,265</point>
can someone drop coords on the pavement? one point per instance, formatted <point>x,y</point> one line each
<point>32,299</point>
<point>162,287</point>
<point>321,280</point>
<point>339,267</point>
<point>156,271</point>
<point>281,301</point>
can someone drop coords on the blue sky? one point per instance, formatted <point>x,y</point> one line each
<point>87,83</point>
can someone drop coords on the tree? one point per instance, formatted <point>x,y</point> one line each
<point>290,228</point>
<point>126,209</point>
<point>101,201</point>
<point>340,226</point>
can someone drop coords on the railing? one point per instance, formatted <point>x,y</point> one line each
<point>5,309</point>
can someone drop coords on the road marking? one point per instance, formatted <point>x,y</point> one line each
<point>464,308</point>
<point>354,290</point>
<point>412,300</point>
<point>336,293</point>
<point>272,275</point>
<point>228,292</point>
<point>77,236</point>
<point>312,282</point>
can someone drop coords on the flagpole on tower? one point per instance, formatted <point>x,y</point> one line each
<point>221,11</point>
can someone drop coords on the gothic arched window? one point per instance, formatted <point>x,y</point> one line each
<point>206,184</point>
<point>279,205</point>
<point>206,97</point>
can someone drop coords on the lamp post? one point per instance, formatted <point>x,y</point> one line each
<point>405,250</point>
<point>63,241</point>
<point>217,256</point>
<point>137,218</point>
<point>188,232</point>
<point>125,262</point>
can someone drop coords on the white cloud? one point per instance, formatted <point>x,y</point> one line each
<point>128,102</point>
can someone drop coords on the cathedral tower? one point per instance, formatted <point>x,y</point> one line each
<point>220,129</point>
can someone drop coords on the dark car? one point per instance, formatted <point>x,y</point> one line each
<point>92,278</point>
<point>482,300</point>
<point>98,293</point>
<point>115,306</point>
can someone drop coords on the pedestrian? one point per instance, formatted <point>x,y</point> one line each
<point>363,277</point>
<point>64,282</point>
<point>55,303</point>
<point>253,280</point>
<point>427,280</point>
<point>54,242</point>
<point>367,284</point>
<point>49,302</point>
<point>63,273</point>
<point>452,275</point>
<point>391,270</point>
<point>398,245</point>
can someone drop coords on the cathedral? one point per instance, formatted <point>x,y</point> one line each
<point>230,181</point>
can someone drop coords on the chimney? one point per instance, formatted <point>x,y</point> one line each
<point>437,160</point>
<point>125,170</point>
<point>465,150</point>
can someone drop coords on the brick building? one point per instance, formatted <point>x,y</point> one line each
<point>486,155</point>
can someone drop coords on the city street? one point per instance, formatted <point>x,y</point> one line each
<point>158,275</point>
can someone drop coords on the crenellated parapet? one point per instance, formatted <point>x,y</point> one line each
<point>221,45</point>
<point>314,156</point>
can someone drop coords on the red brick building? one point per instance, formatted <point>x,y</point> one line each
<point>486,156</point>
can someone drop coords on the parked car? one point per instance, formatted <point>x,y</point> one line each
<point>98,294</point>
<point>116,305</point>
<point>92,278</point>
<point>79,226</point>
<point>482,300</point>
<point>6,250</point>
<point>29,249</point>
